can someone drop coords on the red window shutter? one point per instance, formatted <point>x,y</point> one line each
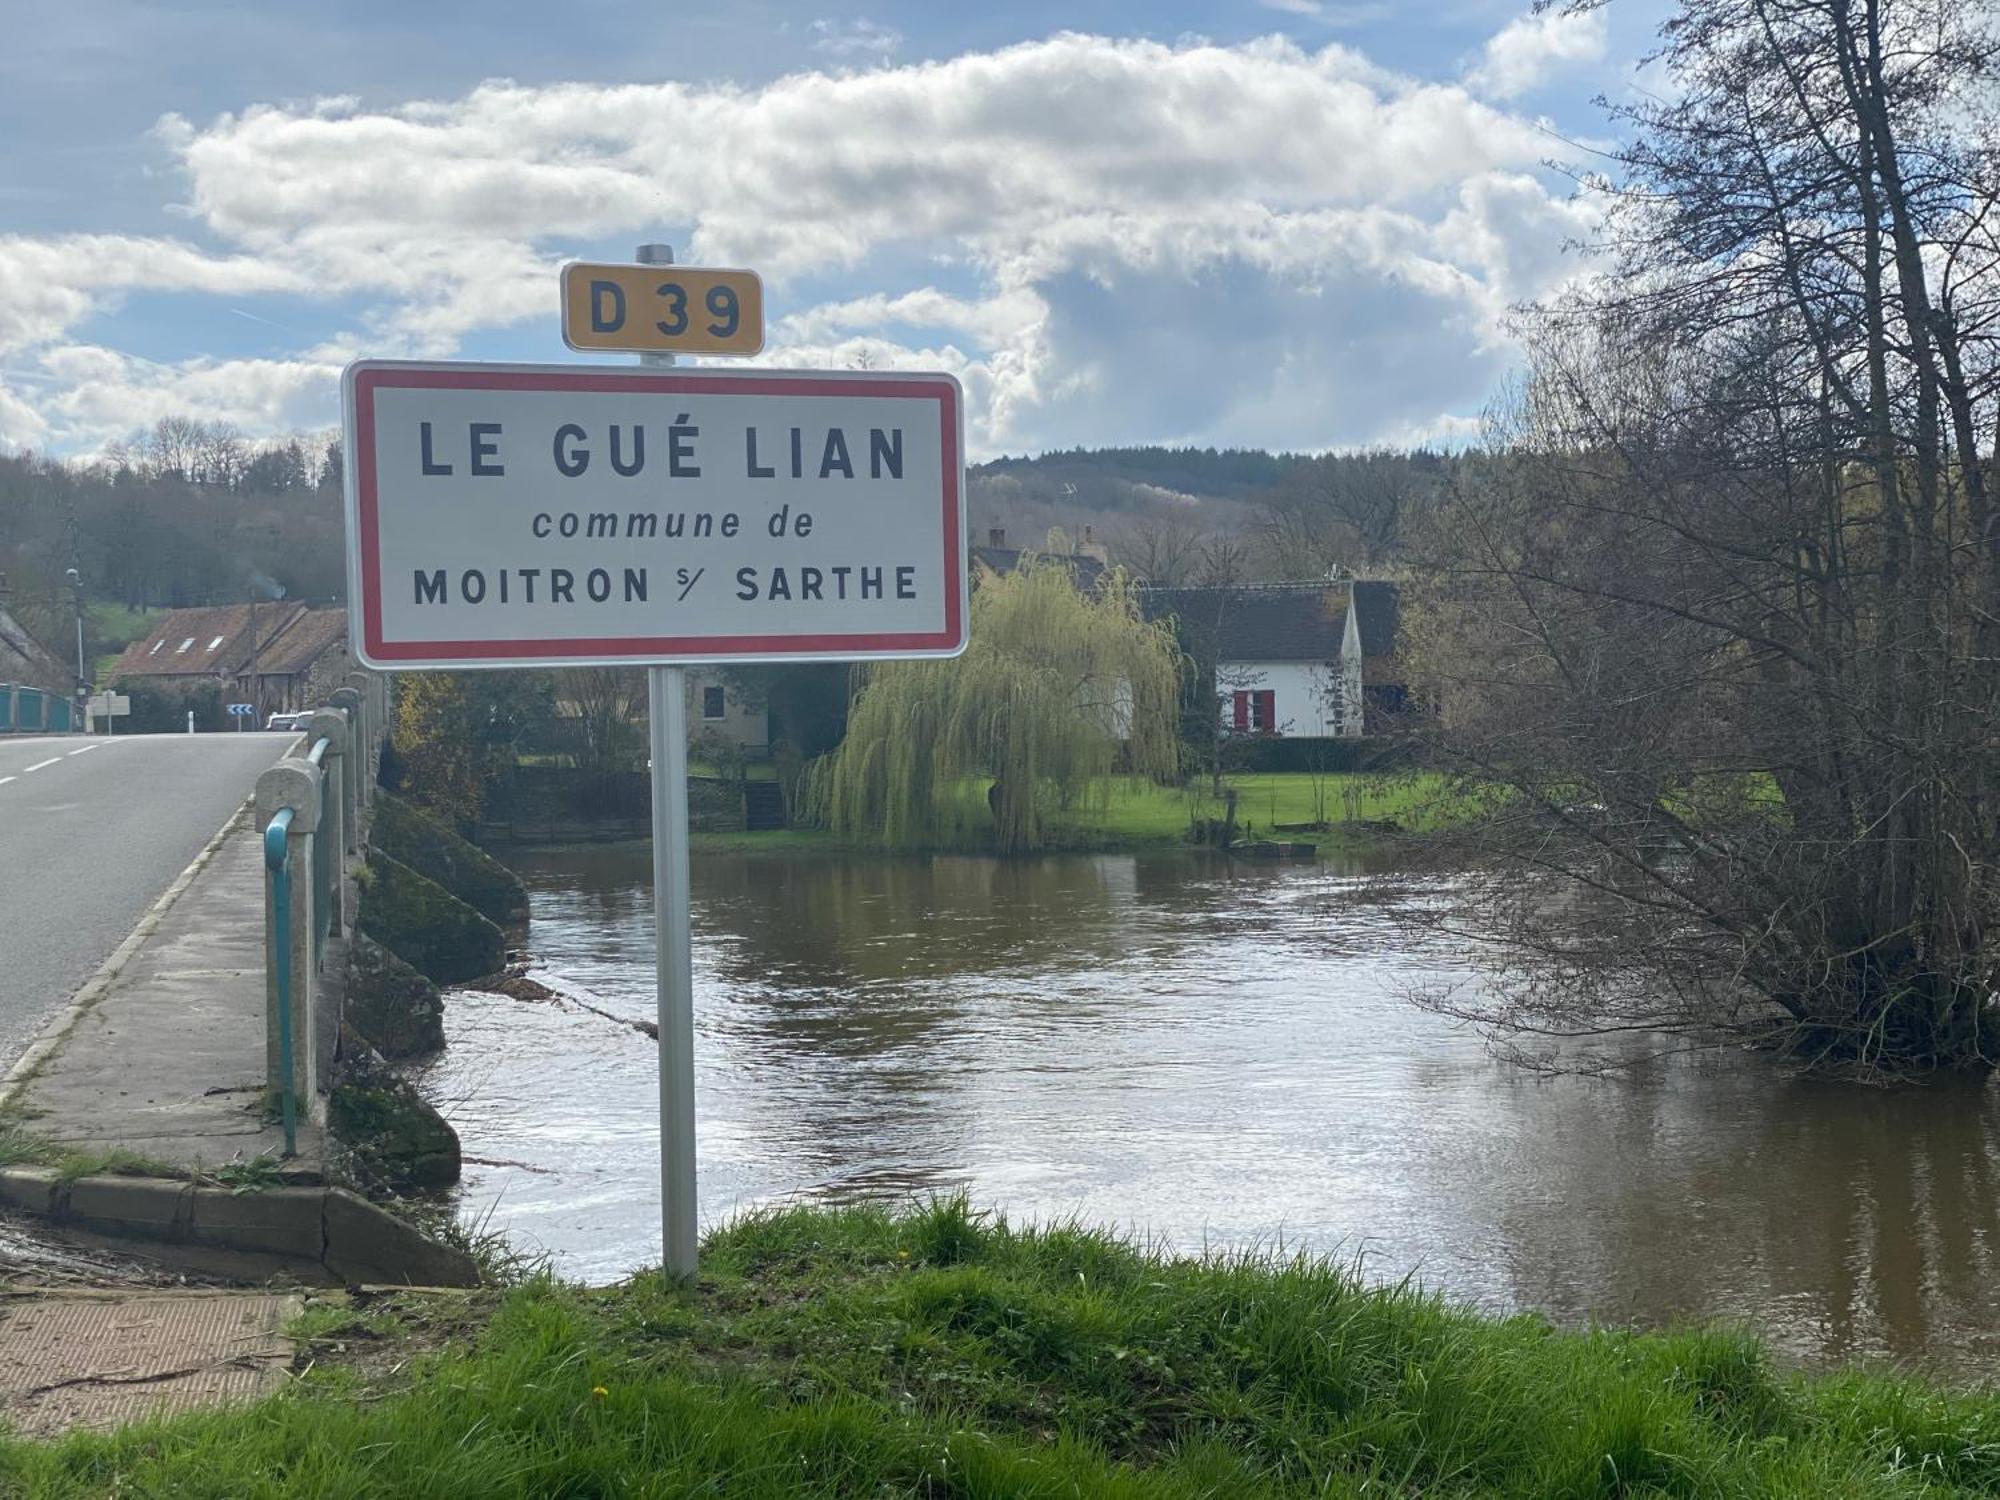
<point>1267,710</point>
<point>1241,704</point>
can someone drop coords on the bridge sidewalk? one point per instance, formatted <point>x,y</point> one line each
<point>167,1060</point>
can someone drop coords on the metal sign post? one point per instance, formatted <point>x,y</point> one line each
<point>673,935</point>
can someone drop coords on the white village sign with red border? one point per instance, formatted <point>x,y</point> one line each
<point>519,515</point>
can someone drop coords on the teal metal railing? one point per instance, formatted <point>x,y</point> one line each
<point>25,709</point>
<point>276,836</point>
<point>277,842</point>
<point>323,852</point>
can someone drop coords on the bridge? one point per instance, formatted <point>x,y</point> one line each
<point>174,917</point>
<point>92,831</point>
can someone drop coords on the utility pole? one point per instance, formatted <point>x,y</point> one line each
<point>81,697</point>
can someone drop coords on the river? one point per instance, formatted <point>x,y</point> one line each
<point>1205,1055</point>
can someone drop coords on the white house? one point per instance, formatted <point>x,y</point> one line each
<point>1292,658</point>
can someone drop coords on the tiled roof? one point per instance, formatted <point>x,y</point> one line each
<point>310,636</point>
<point>1283,621</point>
<point>1087,569</point>
<point>1257,622</point>
<point>213,642</point>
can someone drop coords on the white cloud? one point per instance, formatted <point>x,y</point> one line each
<point>21,426</point>
<point>1528,49</point>
<point>1130,240</point>
<point>104,395</point>
<point>48,285</point>
<point>860,37</point>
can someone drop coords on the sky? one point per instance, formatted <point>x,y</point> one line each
<point>1295,224</point>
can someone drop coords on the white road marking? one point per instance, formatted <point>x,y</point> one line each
<point>5,779</point>
<point>84,751</point>
<point>40,763</point>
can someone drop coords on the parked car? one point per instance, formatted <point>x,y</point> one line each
<point>289,721</point>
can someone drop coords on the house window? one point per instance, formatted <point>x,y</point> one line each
<point>183,645</point>
<point>214,643</point>
<point>156,646</point>
<point>1254,711</point>
<point>711,703</point>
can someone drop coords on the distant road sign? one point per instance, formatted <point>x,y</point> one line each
<point>661,309</point>
<point>242,710</point>
<point>521,515</point>
<point>110,705</point>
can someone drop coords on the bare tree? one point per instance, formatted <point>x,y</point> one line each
<point>609,704</point>
<point>1345,511</point>
<point>173,449</point>
<point>1225,561</point>
<point>1161,549</point>
<point>1716,641</point>
<point>221,455</point>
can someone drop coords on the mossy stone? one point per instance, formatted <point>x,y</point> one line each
<point>397,1140</point>
<point>426,926</point>
<point>394,1008</point>
<point>437,853</point>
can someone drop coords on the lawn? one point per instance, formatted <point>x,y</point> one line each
<point>1138,814</point>
<point>114,627</point>
<point>854,1354</point>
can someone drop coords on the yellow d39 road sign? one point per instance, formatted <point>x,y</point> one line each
<point>661,309</point>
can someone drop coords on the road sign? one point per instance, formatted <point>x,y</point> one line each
<point>661,309</point>
<point>533,516</point>
<point>242,710</point>
<point>110,705</point>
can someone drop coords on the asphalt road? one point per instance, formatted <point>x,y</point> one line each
<point>92,830</point>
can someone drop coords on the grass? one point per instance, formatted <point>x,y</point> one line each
<point>1140,815</point>
<point>117,625</point>
<point>23,1148</point>
<point>854,1354</point>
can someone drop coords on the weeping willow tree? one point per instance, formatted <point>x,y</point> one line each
<point>1059,691</point>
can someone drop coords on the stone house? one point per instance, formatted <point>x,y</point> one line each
<point>280,656</point>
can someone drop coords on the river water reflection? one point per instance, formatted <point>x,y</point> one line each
<point>1204,1054</point>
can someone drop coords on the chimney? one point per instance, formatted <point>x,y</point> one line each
<point>996,536</point>
<point>1091,547</point>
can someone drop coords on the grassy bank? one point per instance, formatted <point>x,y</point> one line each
<point>850,1354</point>
<point>1138,815</point>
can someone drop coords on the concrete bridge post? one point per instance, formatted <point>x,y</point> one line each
<point>339,827</point>
<point>293,782</point>
<point>353,765</point>
<point>367,687</point>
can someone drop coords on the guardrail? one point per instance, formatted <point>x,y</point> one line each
<point>311,808</point>
<point>28,710</point>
